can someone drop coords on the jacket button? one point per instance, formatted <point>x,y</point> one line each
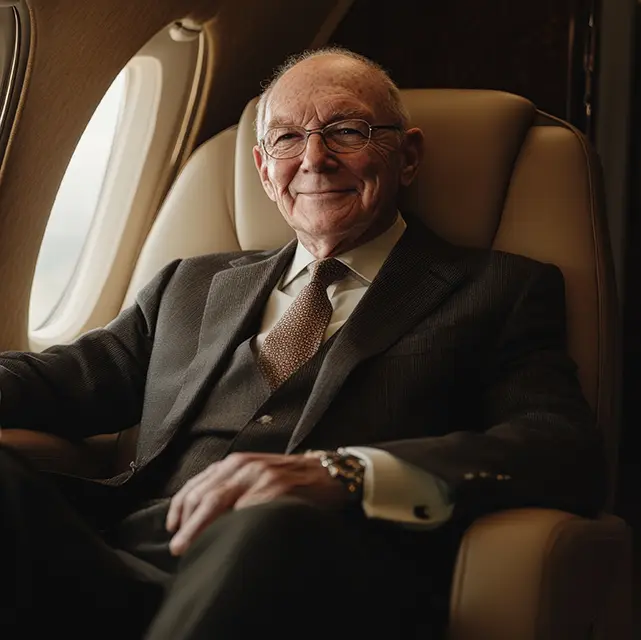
<point>266,419</point>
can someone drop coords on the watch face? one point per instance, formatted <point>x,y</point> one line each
<point>350,467</point>
<point>351,464</point>
<point>345,467</point>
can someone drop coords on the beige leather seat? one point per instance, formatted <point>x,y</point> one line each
<point>497,172</point>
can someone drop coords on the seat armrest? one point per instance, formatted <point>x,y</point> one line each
<point>542,574</point>
<point>92,458</point>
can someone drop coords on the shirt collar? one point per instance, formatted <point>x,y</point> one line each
<point>365,260</point>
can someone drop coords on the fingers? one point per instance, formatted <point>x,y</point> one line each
<point>211,506</point>
<point>211,481</point>
<point>188,498</point>
<point>178,502</point>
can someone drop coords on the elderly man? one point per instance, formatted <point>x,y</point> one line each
<point>317,424</point>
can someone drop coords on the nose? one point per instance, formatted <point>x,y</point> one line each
<point>317,157</point>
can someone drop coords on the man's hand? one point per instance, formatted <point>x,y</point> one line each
<point>245,479</point>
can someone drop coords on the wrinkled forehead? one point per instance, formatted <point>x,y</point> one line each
<point>316,94</point>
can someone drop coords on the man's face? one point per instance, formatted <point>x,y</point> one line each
<point>329,195</point>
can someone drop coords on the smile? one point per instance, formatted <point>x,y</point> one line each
<point>328,193</point>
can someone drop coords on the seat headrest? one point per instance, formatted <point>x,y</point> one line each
<point>472,139</point>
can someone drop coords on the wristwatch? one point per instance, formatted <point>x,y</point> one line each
<point>347,468</point>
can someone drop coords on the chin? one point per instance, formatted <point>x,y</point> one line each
<point>323,221</point>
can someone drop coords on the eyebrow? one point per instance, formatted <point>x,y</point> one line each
<point>335,116</point>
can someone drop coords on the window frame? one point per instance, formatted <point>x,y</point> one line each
<point>15,36</point>
<point>104,197</point>
<point>160,99</point>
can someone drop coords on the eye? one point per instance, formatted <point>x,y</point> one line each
<point>283,137</point>
<point>348,131</point>
<point>287,136</point>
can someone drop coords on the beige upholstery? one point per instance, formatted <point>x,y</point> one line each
<point>496,172</point>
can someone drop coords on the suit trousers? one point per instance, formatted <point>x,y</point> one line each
<point>285,566</point>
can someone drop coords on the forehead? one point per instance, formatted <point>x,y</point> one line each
<point>323,89</point>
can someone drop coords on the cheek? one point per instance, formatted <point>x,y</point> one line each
<point>382,178</point>
<point>372,183</point>
<point>375,172</point>
<point>281,178</point>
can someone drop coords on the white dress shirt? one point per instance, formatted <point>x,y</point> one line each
<point>392,489</point>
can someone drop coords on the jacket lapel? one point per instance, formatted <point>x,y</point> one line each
<point>420,272</point>
<point>236,298</point>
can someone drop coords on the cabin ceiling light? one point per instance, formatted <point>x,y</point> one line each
<point>184,30</point>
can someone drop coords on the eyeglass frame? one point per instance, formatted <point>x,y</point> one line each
<point>320,132</point>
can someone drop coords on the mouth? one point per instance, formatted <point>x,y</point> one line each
<point>327,193</point>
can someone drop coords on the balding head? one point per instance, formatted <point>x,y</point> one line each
<point>348,69</point>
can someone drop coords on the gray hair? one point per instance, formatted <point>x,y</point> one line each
<point>394,102</point>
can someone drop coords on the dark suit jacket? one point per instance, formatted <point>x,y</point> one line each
<point>454,361</point>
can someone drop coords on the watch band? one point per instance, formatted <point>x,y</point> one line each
<point>345,467</point>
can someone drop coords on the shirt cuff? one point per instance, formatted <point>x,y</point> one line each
<point>398,491</point>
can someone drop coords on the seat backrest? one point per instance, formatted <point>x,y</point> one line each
<point>497,172</point>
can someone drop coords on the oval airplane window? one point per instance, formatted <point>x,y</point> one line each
<point>117,178</point>
<point>75,206</point>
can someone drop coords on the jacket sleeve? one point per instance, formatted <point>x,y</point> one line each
<point>536,442</point>
<point>94,385</point>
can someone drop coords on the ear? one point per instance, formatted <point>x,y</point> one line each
<point>261,166</point>
<point>412,149</point>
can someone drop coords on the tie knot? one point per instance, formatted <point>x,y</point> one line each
<point>328,271</point>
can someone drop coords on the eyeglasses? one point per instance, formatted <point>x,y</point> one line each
<point>346,136</point>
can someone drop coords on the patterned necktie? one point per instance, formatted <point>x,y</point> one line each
<point>297,336</point>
